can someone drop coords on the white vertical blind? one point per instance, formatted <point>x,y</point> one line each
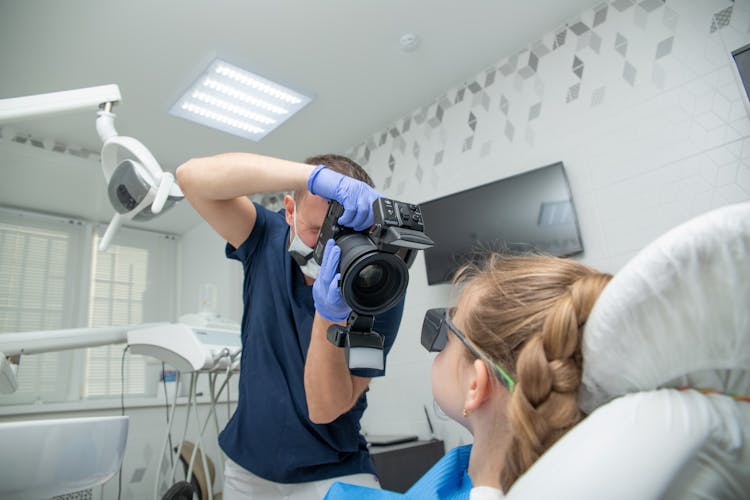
<point>39,273</point>
<point>48,281</point>
<point>132,282</point>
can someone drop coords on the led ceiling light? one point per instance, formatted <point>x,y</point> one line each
<point>238,102</point>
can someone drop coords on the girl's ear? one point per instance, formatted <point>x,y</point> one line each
<point>480,386</point>
<point>290,208</point>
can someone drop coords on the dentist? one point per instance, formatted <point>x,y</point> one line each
<point>296,428</point>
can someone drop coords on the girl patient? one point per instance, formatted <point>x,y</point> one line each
<point>508,369</point>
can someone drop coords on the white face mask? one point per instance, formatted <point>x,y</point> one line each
<point>303,254</point>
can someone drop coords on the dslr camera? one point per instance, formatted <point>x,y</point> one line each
<point>374,269</point>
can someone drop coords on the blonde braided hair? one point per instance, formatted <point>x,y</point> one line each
<point>527,313</point>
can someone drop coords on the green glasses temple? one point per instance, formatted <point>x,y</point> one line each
<point>501,375</point>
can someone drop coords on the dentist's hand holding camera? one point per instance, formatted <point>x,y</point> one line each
<point>356,196</point>
<point>357,199</point>
<point>326,290</point>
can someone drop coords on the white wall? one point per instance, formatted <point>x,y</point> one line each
<point>639,101</point>
<point>203,261</point>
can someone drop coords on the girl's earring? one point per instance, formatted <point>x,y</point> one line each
<point>466,413</point>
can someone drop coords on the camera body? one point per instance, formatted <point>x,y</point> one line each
<point>374,269</point>
<point>375,262</point>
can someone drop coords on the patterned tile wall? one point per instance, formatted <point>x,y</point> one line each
<point>637,98</point>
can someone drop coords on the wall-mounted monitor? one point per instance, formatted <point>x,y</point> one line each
<point>529,211</point>
<point>741,59</point>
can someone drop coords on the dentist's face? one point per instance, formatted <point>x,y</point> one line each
<point>311,210</point>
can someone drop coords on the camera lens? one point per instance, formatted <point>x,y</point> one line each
<point>375,282</point>
<point>372,281</point>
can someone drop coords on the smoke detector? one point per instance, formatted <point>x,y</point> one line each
<point>409,42</point>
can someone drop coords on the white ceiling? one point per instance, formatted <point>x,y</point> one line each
<point>344,53</point>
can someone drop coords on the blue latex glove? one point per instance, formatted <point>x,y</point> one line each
<point>356,196</point>
<point>326,292</point>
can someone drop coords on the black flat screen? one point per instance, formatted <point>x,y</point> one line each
<point>530,211</point>
<point>742,60</point>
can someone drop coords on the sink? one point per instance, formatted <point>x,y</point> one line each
<point>45,458</point>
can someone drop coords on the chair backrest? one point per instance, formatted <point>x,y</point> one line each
<point>677,315</point>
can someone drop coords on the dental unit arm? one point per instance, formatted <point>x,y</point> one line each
<point>137,187</point>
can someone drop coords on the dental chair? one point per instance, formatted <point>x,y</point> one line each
<point>666,376</point>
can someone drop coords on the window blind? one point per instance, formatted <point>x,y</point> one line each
<point>39,276</point>
<point>132,282</point>
<point>52,276</point>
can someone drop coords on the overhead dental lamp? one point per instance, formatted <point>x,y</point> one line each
<point>137,187</point>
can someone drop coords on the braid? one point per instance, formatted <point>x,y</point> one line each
<point>526,313</point>
<point>544,406</point>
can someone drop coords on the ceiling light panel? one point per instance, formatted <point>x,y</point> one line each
<point>238,102</point>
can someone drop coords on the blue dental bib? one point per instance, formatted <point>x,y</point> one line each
<point>447,479</point>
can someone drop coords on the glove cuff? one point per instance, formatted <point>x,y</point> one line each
<point>332,317</point>
<point>313,176</point>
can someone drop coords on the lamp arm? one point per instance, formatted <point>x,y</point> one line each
<point>105,123</point>
<point>18,108</point>
<point>41,341</point>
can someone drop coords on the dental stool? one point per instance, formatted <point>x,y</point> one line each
<point>197,487</point>
<point>666,376</point>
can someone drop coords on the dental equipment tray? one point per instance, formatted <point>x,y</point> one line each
<point>188,348</point>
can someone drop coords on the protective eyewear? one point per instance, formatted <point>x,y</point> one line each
<point>435,328</point>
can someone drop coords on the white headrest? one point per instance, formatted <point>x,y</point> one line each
<point>663,444</point>
<point>677,313</point>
